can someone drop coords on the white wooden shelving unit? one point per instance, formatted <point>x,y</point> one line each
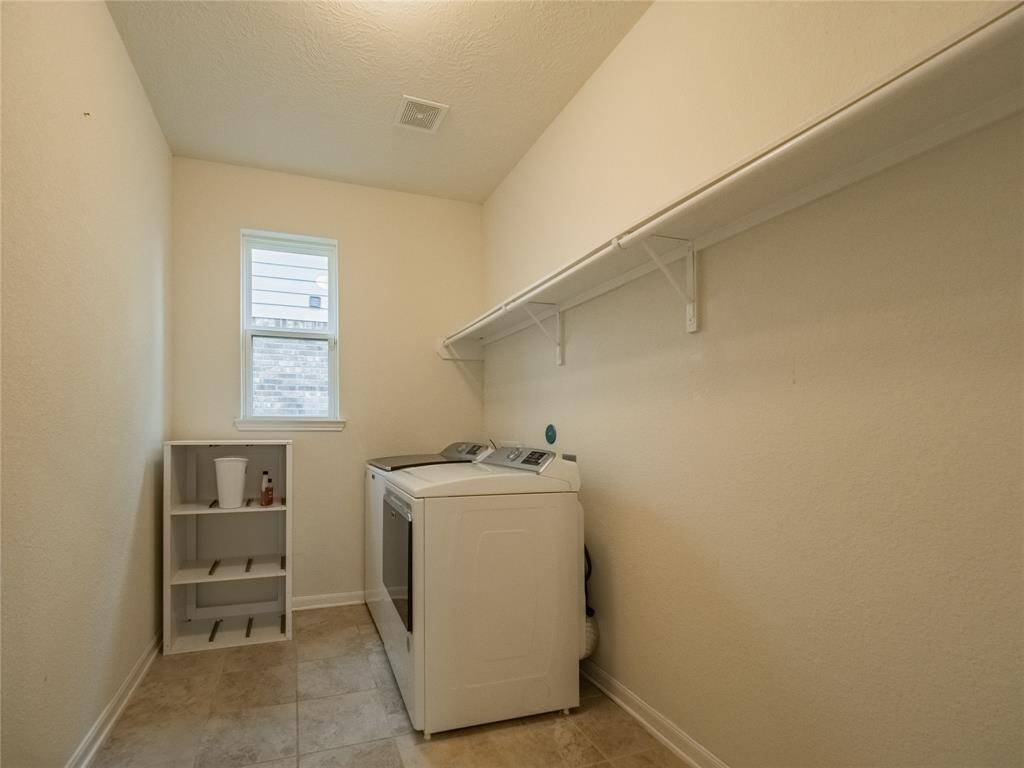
<point>227,572</point>
<point>970,83</point>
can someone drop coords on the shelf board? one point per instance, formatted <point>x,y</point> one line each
<point>195,635</point>
<point>563,287</point>
<point>229,569</point>
<point>204,508</point>
<point>961,88</point>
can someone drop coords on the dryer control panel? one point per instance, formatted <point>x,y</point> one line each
<point>465,451</point>
<point>533,459</point>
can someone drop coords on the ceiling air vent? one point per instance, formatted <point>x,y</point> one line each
<point>420,114</point>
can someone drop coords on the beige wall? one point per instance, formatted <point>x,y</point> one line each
<point>690,91</point>
<point>410,269</point>
<point>86,227</point>
<point>806,519</point>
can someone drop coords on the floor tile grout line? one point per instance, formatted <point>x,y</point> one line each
<point>209,716</point>
<point>333,695</point>
<point>299,755</point>
<point>299,700</point>
<point>297,745</point>
<point>643,751</point>
<point>623,756</point>
<point>590,741</point>
<point>390,737</point>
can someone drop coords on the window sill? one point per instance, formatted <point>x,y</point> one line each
<point>290,425</point>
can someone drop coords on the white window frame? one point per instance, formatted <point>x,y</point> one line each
<point>313,246</point>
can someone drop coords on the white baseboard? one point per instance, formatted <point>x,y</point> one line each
<point>668,733</point>
<point>101,728</point>
<point>307,602</point>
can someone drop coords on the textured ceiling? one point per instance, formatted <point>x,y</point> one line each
<point>312,87</point>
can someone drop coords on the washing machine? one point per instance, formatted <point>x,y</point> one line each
<point>482,563</point>
<point>384,616</point>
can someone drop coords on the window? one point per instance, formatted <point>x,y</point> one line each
<point>289,332</point>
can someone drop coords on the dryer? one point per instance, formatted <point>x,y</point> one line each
<point>482,562</point>
<point>375,594</point>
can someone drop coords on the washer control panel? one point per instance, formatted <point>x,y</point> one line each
<point>534,459</point>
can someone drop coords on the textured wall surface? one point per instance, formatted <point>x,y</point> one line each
<point>409,268</point>
<point>86,228</point>
<point>806,520</point>
<point>313,87</point>
<point>693,89</point>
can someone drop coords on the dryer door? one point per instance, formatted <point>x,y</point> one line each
<point>397,555</point>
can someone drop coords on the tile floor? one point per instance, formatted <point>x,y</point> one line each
<point>327,699</point>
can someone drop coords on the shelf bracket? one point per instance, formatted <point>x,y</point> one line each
<point>687,293</point>
<point>462,351</point>
<point>558,338</point>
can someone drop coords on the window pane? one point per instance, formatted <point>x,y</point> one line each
<point>289,290</point>
<point>290,377</point>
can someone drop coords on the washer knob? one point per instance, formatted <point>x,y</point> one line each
<point>513,454</point>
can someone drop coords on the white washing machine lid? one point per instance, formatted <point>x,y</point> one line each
<point>485,479</point>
